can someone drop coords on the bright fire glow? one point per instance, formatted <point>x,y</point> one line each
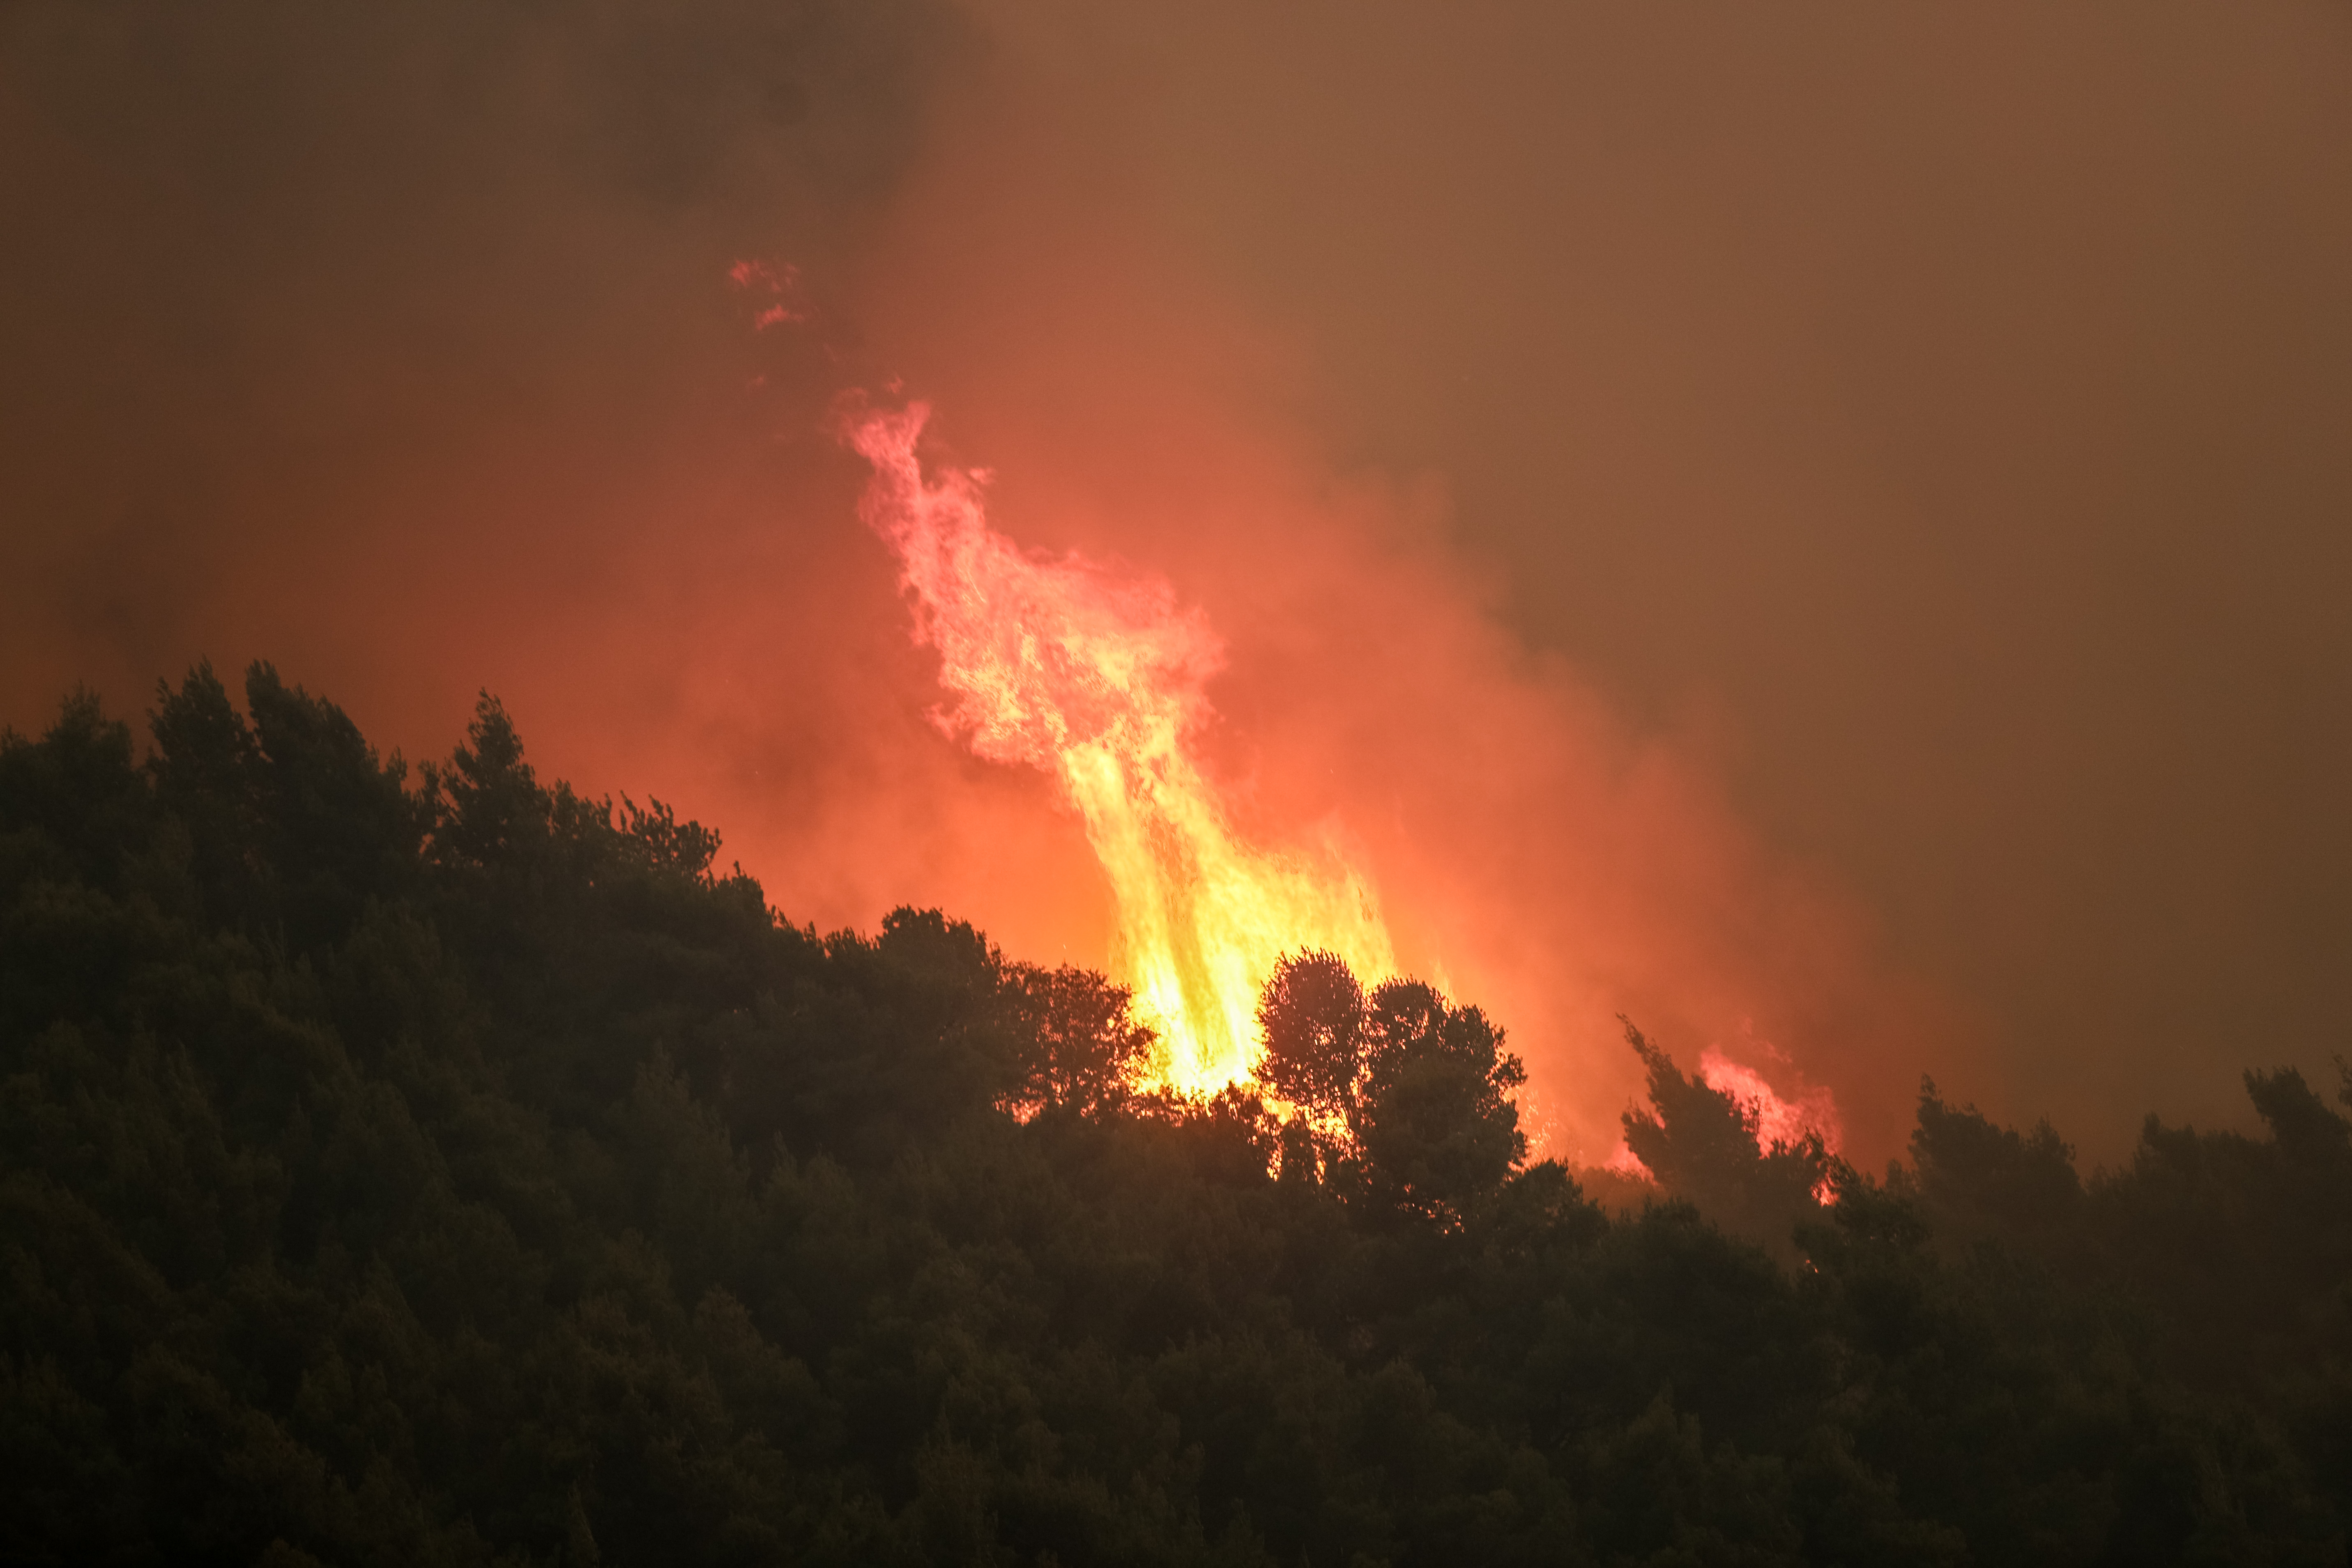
<point>1099,679</point>
<point>1777,1120</point>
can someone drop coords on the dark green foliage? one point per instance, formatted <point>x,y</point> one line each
<point>449,1169</point>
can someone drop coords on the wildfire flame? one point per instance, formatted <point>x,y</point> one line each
<point>1779,1120</point>
<point>1101,681</point>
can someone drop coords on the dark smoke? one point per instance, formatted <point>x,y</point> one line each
<point>362,328</point>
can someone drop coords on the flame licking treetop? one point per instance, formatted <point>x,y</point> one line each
<point>1100,681</point>
<point>1779,1120</point>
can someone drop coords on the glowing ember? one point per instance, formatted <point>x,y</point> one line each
<point>1778,1120</point>
<point>1099,681</point>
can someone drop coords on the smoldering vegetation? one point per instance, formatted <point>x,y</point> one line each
<point>434,1165</point>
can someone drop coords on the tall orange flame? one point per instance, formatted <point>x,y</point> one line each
<point>1101,681</point>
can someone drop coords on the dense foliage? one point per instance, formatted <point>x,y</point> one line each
<point>454,1169</point>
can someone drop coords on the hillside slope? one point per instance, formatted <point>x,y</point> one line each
<point>448,1169</point>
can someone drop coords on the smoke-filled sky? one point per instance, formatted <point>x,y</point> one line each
<point>1825,528</point>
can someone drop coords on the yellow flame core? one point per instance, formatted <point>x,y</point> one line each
<point>1100,681</point>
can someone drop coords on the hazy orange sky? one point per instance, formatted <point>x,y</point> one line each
<point>1826,525</point>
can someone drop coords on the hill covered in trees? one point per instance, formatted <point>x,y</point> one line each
<point>449,1169</point>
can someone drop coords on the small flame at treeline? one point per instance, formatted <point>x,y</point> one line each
<point>1100,678</point>
<point>1777,1120</point>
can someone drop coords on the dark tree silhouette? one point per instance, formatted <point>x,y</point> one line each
<point>1434,1117</point>
<point>458,1170</point>
<point>1700,1142</point>
<point>1400,1095</point>
<point>1977,1180</point>
<point>1079,1044</point>
<point>1310,1020</point>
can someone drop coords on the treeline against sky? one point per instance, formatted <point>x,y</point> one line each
<point>444,1168</point>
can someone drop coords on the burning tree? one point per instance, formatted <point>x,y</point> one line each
<point>1099,679</point>
<point>1713,1146</point>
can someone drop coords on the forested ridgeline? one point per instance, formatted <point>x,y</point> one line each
<point>447,1168</point>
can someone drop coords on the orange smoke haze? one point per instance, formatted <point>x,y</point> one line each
<point>1382,714</point>
<point>1606,559</point>
<point>647,544</point>
<point>1527,851</point>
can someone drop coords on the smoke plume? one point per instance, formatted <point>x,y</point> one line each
<point>1815,534</point>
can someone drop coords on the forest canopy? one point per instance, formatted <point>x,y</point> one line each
<point>444,1167</point>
